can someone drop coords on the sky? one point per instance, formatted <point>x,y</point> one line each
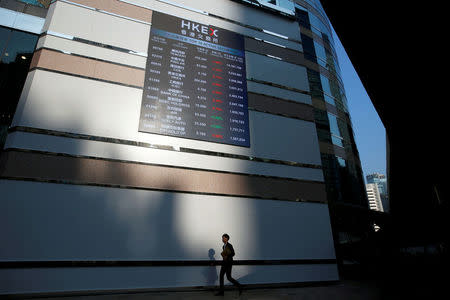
<point>370,134</point>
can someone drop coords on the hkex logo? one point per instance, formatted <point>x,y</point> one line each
<point>199,28</point>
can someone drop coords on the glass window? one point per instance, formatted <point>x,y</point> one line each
<point>344,102</point>
<point>335,89</point>
<point>300,7</point>
<point>326,58</point>
<point>308,48</point>
<point>331,62</point>
<point>341,161</point>
<point>314,83</point>
<point>336,129</point>
<point>331,175</point>
<point>35,2</point>
<point>343,180</point>
<point>333,93</point>
<point>302,18</point>
<point>343,129</point>
<point>4,37</point>
<point>321,118</point>
<point>329,99</point>
<point>337,141</point>
<point>324,135</point>
<point>318,26</point>
<point>317,5</point>
<point>20,45</point>
<point>325,84</point>
<point>320,51</point>
<point>286,6</point>
<point>322,63</point>
<point>17,49</point>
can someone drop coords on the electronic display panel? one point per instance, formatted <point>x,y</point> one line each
<point>195,82</point>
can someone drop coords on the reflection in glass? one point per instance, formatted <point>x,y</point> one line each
<point>333,93</point>
<point>20,44</point>
<point>315,85</point>
<point>16,51</point>
<point>4,37</point>
<point>329,100</point>
<point>35,2</point>
<point>341,161</point>
<point>338,129</point>
<point>286,6</point>
<point>334,128</point>
<point>337,141</point>
<point>325,84</point>
<point>343,180</point>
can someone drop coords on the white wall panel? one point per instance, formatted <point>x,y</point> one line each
<point>99,27</point>
<point>112,278</point>
<point>70,46</point>
<point>78,105</point>
<point>50,11</point>
<point>204,19</point>
<point>39,142</point>
<point>247,15</point>
<point>116,31</point>
<point>20,21</point>
<point>46,221</point>
<point>104,28</point>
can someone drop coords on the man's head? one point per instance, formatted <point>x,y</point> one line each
<point>225,238</point>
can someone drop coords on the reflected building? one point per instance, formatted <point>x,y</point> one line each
<point>131,143</point>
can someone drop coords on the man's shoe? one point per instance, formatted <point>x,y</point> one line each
<point>219,294</point>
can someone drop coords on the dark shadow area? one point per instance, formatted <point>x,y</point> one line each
<point>251,277</point>
<point>397,272</point>
<point>401,82</point>
<point>16,52</point>
<point>210,272</point>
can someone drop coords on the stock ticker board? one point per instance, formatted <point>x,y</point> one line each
<point>195,83</point>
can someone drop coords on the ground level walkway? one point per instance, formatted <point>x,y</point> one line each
<point>344,289</point>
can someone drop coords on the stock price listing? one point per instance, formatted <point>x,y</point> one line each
<point>195,83</point>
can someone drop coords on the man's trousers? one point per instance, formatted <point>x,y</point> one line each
<point>226,269</point>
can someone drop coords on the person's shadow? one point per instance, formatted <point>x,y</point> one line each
<point>211,271</point>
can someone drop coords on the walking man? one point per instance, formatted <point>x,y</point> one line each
<point>227,263</point>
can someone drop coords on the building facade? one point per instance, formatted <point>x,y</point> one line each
<point>381,182</point>
<point>373,195</point>
<point>145,129</point>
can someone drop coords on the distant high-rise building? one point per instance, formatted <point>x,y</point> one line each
<point>381,182</point>
<point>373,195</point>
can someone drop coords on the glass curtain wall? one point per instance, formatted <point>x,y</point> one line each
<point>16,51</point>
<point>342,171</point>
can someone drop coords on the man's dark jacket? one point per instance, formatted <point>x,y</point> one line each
<point>228,253</point>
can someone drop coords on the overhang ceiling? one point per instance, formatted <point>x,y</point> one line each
<point>395,51</point>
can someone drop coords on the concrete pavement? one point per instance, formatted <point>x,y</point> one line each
<point>348,290</point>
